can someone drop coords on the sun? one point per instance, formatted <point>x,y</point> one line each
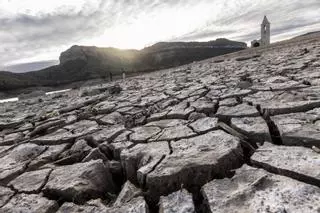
<point>152,27</point>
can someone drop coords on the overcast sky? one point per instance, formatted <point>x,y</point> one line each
<point>39,30</point>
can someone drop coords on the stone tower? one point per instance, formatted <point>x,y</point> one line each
<point>265,32</point>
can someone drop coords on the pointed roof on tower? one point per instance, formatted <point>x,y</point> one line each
<point>265,20</point>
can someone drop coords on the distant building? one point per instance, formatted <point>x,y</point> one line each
<point>265,34</point>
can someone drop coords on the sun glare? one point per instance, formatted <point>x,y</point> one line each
<point>149,28</point>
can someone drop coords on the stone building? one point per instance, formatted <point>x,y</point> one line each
<point>265,34</point>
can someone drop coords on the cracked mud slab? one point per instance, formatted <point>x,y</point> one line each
<point>296,162</point>
<point>128,192</point>
<point>300,129</point>
<point>79,181</point>
<point>141,159</point>
<point>17,160</point>
<point>5,195</point>
<point>136,205</point>
<point>30,203</point>
<point>30,182</point>
<point>177,202</point>
<point>241,110</point>
<point>255,190</point>
<point>203,125</point>
<point>201,157</point>
<point>253,127</point>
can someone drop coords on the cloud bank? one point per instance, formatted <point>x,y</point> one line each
<point>35,30</point>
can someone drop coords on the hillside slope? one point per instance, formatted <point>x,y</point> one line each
<point>84,63</point>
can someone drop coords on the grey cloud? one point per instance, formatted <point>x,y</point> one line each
<point>26,36</point>
<point>202,35</point>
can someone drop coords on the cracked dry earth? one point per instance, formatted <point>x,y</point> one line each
<point>236,133</point>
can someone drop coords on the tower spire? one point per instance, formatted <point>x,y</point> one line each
<point>265,20</point>
<point>265,32</point>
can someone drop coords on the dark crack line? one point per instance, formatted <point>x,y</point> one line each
<point>287,173</point>
<point>14,175</point>
<point>9,199</point>
<point>144,181</point>
<point>273,128</point>
<point>200,202</point>
<point>37,191</point>
<point>170,148</point>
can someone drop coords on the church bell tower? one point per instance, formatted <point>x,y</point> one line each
<point>265,32</point>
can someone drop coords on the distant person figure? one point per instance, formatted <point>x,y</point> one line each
<point>110,76</point>
<point>123,75</point>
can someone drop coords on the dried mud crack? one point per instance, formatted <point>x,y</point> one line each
<point>235,133</point>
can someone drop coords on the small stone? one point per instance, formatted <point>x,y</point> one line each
<point>114,90</point>
<point>316,149</point>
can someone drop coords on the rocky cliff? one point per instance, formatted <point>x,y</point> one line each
<point>234,133</point>
<point>83,63</point>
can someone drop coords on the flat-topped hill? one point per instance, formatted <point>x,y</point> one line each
<point>80,63</point>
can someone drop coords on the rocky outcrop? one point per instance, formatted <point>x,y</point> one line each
<point>188,139</point>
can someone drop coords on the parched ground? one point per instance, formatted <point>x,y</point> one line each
<point>236,133</point>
